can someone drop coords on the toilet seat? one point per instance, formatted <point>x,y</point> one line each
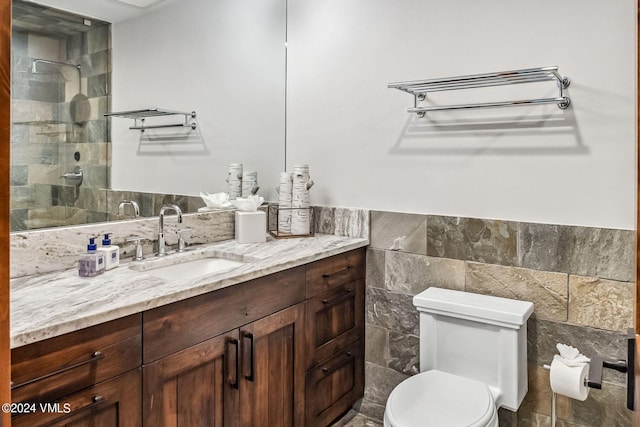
<point>439,399</point>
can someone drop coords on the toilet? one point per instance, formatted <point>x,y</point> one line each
<point>473,360</point>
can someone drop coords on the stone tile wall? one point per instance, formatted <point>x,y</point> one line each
<point>580,280</point>
<point>46,141</point>
<point>44,251</point>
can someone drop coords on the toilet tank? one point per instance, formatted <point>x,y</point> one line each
<point>476,336</point>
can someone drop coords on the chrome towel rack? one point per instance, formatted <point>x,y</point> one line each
<point>420,88</point>
<point>139,117</point>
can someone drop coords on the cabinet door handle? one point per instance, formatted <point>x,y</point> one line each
<point>335,273</point>
<point>251,376</point>
<point>347,292</point>
<point>234,382</point>
<point>95,356</point>
<point>96,401</point>
<point>334,368</point>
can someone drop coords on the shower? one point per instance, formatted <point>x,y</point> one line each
<point>60,155</point>
<point>79,107</point>
<point>47,61</point>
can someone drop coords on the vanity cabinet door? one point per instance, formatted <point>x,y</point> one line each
<point>252,376</point>
<point>334,385</point>
<point>272,379</point>
<point>112,403</point>
<point>335,319</point>
<point>196,387</point>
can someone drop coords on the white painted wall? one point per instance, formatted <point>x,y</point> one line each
<point>225,59</point>
<point>538,164</point>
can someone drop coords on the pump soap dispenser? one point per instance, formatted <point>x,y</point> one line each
<point>111,253</point>
<point>92,263</point>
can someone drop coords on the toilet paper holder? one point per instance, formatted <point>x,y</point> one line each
<point>594,380</point>
<point>598,362</point>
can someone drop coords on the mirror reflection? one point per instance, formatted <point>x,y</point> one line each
<point>59,138</point>
<point>72,165</point>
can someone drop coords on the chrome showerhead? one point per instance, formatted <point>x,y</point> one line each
<point>47,61</point>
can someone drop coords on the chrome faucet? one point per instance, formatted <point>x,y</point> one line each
<point>134,205</point>
<point>178,211</point>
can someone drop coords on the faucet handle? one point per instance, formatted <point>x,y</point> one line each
<point>138,240</point>
<point>181,243</point>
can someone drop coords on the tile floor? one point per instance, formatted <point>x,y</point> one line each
<point>362,421</point>
<point>356,421</point>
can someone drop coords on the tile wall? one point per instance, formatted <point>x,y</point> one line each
<point>47,138</point>
<point>580,280</point>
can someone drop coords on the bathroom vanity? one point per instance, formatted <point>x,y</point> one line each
<point>277,340</point>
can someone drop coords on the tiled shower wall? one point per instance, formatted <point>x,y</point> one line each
<point>45,141</point>
<point>580,280</point>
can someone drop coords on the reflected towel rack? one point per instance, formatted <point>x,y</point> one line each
<point>420,88</point>
<point>139,117</point>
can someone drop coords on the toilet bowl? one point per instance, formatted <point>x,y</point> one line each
<point>472,360</point>
<point>436,398</point>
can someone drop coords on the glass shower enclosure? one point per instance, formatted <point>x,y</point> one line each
<point>60,149</point>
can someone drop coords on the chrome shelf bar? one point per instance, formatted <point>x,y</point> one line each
<point>491,104</point>
<point>420,88</point>
<point>141,115</point>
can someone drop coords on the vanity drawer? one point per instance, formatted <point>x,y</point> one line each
<point>335,385</point>
<point>115,402</point>
<point>334,271</point>
<point>335,319</point>
<point>174,327</point>
<point>46,370</point>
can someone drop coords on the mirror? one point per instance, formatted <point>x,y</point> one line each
<point>222,59</point>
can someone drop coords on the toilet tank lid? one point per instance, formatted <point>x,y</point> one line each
<point>468,305</point>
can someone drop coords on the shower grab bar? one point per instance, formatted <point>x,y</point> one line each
<point>420,88</point>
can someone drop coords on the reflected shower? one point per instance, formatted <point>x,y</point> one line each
<point>34,69</point>
<point>79,107</point>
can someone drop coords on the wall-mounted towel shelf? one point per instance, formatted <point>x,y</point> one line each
<point>139,117</point>
<point>420,88</point>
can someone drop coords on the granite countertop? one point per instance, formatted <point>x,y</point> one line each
<point>52,304</point>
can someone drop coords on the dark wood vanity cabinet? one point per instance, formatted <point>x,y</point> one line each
<point>281,350</point>
<point>251,375</point>
<point>335,336</point>
<point>89,377</point>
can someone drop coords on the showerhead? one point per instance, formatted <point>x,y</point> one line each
<point>47,61</point>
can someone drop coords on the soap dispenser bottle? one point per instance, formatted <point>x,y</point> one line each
<point>111,253</point>
<point>92,263</point>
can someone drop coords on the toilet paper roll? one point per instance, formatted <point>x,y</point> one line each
<point>569,381</point>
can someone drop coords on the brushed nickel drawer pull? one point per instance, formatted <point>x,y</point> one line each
<point>95,356</point>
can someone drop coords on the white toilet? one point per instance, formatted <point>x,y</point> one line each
<point>473,360</point>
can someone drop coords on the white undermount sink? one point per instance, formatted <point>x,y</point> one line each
<point>188,265</point>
